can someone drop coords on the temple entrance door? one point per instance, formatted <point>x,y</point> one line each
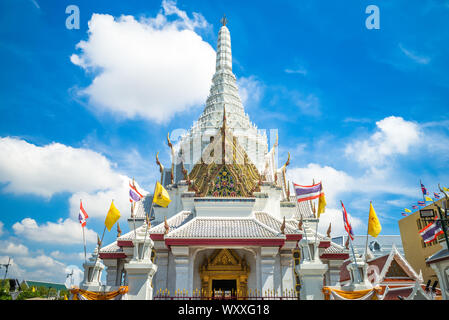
<point>224,270</point>
<point>224,289</point>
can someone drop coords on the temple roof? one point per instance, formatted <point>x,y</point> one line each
<point>225,228</point>
<point>275,223</point>
<point>392,266</point>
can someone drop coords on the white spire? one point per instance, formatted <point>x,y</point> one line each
<point>224,92</point>
<point>224,53</point>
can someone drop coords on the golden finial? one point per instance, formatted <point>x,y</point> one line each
<point>288,161</point>
<point>347,243</point>
<point>328,233</point>
<point>173,157</point>
<point>166,226</point>
<point>119,231</point>
<point>98,241</point>
<point>147,219</point>
<point>224,20</point>
<point>161,167</point>
<point>283,227</point>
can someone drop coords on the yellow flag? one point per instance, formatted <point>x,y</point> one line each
<point>112,216</point>
<point>374,226</point>
<point>446,189</point>
<point>428,198</point>
<point>321,205</point>
<point>161,196</point>
<point>407,210</point>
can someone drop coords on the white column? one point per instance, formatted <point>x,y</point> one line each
<point>162,270</point>
<point>181,257</point>
<point>93,269</point>
<point>111,271</point>
<point>267,261</point>
<point>286,271</point>
<point>311,270</point>
<point>140,269</point>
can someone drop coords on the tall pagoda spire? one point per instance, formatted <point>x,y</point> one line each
<point>224,91</point>
<point>224,53</point>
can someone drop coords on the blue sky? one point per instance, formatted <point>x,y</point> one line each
<point>83,110</point>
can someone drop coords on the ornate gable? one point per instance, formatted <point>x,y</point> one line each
<point>224,169</point>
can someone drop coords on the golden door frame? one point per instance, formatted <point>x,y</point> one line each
<point>224,264</point>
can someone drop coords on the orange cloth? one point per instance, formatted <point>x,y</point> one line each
<point>351,295</point>
<point>89,295</point>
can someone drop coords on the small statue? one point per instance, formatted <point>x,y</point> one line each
<point>300,224</point>
<point>166,226</point>
<point>283,227</point>
<point>328,234</point>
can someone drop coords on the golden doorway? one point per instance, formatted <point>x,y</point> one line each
<point>224,268</point>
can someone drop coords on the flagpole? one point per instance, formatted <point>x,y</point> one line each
<point>305,233</point>
<point>133,207</point>
<point>422,191</point>
<point>148,227</point>
<point>367,230</point>
<point>98,253</point>
<point>316,227</point>
<point>84,238</point>
<point>355,259</point>
<point>352,249</point>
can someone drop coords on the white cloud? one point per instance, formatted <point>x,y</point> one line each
<point>415,57</point>
<point>335,217</point>
<point>68,256</point>
<point>77,275</point>
<point>296,71</point>
<point>394,136</point>
<point>97,203</point>
<point>12,249</point>
<point>250,90</point>
<point>308,104</point>
<point>64,232</point>
<point>44,171</point>
<point>335,182</point>
<point>151,68</point>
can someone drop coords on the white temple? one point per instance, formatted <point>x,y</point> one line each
<point>232,227</point>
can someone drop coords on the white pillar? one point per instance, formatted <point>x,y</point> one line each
<point>162,271</point>
<point>93,269</point>
<point>140,269</point>
<point>267,261</point>
<point>286,271</point>
<point>311,270</point>
<point>181,257</point>
<point>111,271</point>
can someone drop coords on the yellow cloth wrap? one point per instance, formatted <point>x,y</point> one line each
<point>352,295</point>
<point>89,295</point>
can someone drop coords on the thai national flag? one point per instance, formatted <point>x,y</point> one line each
<point>436,195</point>
<point>415,207</point>
<point>134,195</point>
<point>424,190</point>
<point>430,232</point>
<point>346,223</point>
<point>422,203</point>
<point>82,215</point>
<point>304,193</point>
